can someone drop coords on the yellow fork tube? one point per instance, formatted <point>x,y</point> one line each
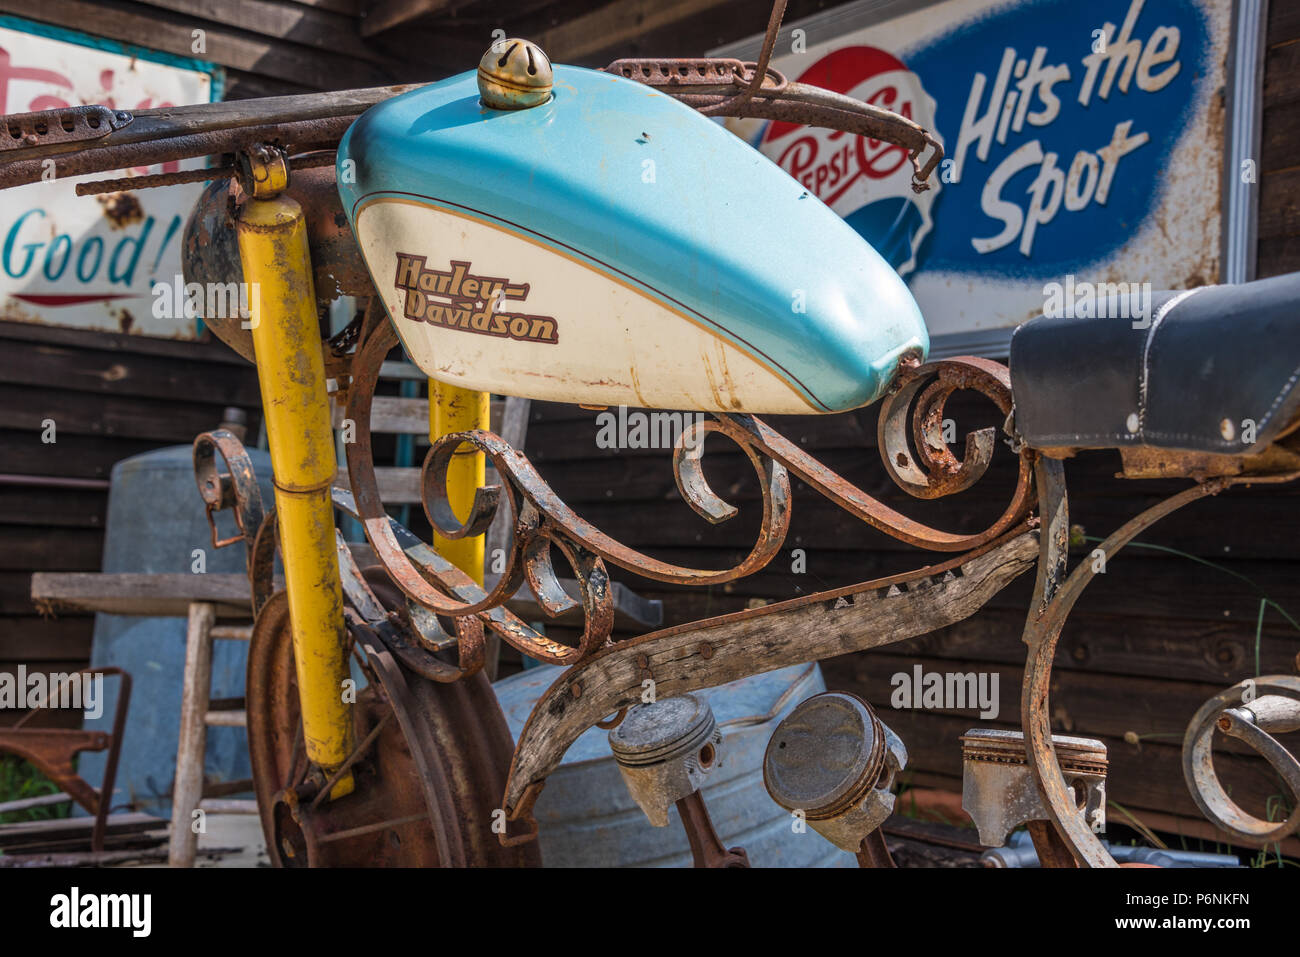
<point>291,373</point>
<point>453,409</point>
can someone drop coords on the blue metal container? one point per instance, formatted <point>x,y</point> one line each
<point>587,818</point>
<point>613,246</point>
<point>155,521</point>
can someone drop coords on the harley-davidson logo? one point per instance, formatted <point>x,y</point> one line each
<point>458,299</point>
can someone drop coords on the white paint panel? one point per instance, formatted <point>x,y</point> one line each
<point>615,345</point>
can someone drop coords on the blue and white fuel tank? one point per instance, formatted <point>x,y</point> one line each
<point>611,246</point>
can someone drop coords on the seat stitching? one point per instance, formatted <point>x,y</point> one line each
<point>1164,310</point>
<point>1290,382</point>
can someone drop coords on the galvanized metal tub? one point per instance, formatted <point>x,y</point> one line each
<point>587,818</point>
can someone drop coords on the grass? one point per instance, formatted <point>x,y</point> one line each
<point>19,780</point>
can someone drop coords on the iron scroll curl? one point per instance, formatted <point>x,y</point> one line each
<point>541,523</point>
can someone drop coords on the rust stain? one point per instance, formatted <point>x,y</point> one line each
<point>121,209</point>
<point>713,385</point>
<point>636,385</point>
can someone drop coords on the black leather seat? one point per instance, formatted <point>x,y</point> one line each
<point>1209,360</point>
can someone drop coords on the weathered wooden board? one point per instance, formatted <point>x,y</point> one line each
<point>74,456</point>
<point>164,595</point>
<point>83,369</point>
<point>34,639</point>
<point>77,549</point>
<point>135,23</point>
<point>1082,702</point>
<point>44,507</point>
<point>851,619</point>
<point>175,421</point>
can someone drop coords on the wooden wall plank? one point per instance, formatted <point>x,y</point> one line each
<point>131,417</point>
<point>1159,589</point>
<point>15,594</point>
<point>171,33</point>
<point>115,373</point>
<point>1082,702</point>
<point>320,29</point>
<point>208,349</point>
<point>36,639</point>
<point>381,15</point>
<point>1279,203</point>
<point>1283,22</point>
<point>1281,74</point>
<point>350,8</point>
<point>76,456</point>
<point>619,23</point>
<point>242,85</point>
<point>67,549</point>
<point>40,507</point>
<point>1278,256</point>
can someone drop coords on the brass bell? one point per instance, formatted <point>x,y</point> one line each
<point>514,74</point>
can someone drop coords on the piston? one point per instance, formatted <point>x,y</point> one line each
<point>999,793</point>
<point>664,751</point>
<point>833,761</point>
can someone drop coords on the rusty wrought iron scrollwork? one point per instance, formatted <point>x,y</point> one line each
<point>1247,711</point>
<point>1055,595</point>
<point>542,523</point>
<point>431,581</point>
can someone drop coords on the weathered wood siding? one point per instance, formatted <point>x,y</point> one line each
<point>109,397</point>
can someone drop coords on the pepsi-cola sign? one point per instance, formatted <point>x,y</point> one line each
<point>1081,139</point>
<point>866,181</point>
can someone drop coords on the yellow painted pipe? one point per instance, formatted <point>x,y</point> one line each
<point>453,409</point>
<point>291,374</point>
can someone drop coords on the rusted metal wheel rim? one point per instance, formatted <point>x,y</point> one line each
<point>435,771</point>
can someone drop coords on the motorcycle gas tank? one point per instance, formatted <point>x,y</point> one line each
<point>614,247</point>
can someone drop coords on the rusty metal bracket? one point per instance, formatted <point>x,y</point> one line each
<point>236,489</point>
<point>60,127</point>
<point>297,124</point>
<point>542,523</point>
